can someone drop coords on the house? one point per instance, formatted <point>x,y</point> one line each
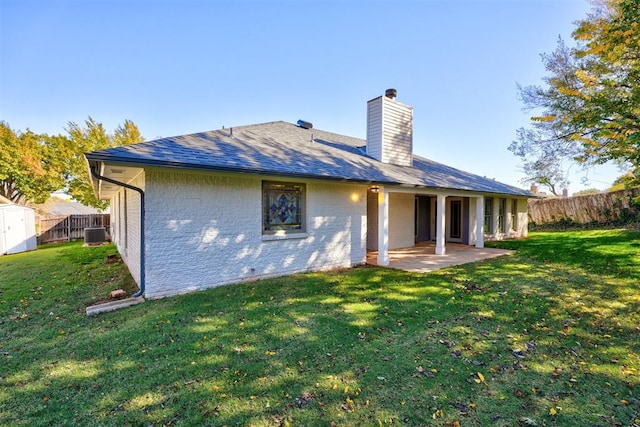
<point>17,228</point>
<point>250,202</point>
<point>61,207</point>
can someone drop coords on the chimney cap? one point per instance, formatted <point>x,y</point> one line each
<point>391,93</point>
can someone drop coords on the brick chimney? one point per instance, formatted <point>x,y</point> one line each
<point>390,130</point>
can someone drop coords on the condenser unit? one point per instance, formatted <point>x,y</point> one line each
<point>94,235</point>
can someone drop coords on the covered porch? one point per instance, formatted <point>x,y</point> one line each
<point>422,257</point>
<point>443,226</point>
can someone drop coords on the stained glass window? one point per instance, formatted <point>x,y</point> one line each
<point>282,207</point>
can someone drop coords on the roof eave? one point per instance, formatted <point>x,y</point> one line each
<point>97,157</point>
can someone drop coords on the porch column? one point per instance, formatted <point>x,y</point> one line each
<point>480,222</point>
<point>383,226</point>
<point>440,225</point>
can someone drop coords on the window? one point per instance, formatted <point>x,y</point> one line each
<point>514,214</point>
<point>502,207</point>
<point>488,215</point>
<point>283,207</point>
<point>456,219</point>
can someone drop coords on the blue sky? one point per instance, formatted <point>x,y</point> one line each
<point>177,67</point>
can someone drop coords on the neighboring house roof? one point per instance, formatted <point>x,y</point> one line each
<point>284,149</point>
<point>63,207</point>
<point>4,200</point>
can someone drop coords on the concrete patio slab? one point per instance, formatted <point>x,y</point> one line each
<point>422,258</point>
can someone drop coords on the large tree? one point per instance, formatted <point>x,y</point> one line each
<point>30,165</point>
<point>91,137</point>
<point>588,110</point>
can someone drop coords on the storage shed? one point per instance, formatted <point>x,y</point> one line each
<point>17,229</point>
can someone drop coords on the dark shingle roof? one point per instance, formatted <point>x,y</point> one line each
<point>280,148</point>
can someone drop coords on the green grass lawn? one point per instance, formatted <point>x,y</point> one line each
<point>547,336</point>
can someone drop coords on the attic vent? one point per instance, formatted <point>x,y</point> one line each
<point>94,235</point>
<point>306,125</point>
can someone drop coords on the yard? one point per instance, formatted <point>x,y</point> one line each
<point>547,336</point>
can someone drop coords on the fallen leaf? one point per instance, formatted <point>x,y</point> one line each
<point>552,411</point>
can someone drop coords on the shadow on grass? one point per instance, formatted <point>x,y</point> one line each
<point>357,347</point>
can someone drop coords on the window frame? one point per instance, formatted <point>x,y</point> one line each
<point>502,208</point>
<point>514,215</point>
<point>297,228</point>
<point>488,215</point>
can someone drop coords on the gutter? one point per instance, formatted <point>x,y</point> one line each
<point>97,176</point>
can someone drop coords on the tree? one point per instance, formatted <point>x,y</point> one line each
<point>624,182</point>
<point>92,137</point>
<point>590,103</point>
<point>587,192</point>
<point>30,167</point>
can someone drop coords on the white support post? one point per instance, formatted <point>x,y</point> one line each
<point>383,226</point>
<point>480,222</point>
<point>440,224</point>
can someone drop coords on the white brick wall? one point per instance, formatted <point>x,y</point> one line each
<point>205,230</point>
<point>126,225</point>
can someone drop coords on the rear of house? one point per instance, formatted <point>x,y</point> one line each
<point>213,208</point>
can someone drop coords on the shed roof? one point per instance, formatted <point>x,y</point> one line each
<point>284,149</point>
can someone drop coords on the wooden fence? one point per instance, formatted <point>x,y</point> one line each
<point>603,208</point>
<point>69,227</point>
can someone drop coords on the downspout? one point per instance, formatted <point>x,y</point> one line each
<point>96,175</point>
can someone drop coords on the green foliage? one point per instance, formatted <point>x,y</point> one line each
<point>589,107</point>
<point>30,167</point>
<point>92,137</point>
<point>587,191</point>
<point>624,182</point>
<point>546,336</point>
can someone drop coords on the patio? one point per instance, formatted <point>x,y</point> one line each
<point>421,258</point>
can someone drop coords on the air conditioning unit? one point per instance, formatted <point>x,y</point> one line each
<point>94,235</point>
